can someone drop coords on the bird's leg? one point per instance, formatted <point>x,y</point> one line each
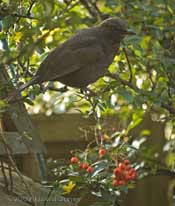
<point>88,93</point>
<point>92,98</point>
<point>42,88</point>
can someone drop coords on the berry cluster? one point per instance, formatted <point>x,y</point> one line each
<point>85,165</point>
<point>124,173</point>
<point>82,165</point>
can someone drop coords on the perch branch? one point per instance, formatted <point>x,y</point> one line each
<point>166,106</point>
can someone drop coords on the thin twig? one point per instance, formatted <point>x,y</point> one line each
<point>30,7</point>
<point>69,6</point>
<point>11,177</point>
<point>129,65</point>
<point>150,77</point>
<point>23,16</point>
<point>52,88</point>
<point>88,8</point>
<point>94,4</point>
<point>4,175</point>
<point>48,196</point>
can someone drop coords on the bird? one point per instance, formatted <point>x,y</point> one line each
<point>83,58</point>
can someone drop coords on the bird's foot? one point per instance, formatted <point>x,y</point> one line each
<point>88,93</point>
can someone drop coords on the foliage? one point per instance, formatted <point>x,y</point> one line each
<point>142,75</point>
<point>102,171</point>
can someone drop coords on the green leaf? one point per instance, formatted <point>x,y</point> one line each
<point>77,178</point>
<point>7,22</point>
<point>99,167</point>
<point>30,102</point>
<point>145,132</point>
<point>137,118</point>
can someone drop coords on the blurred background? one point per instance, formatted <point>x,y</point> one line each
<point>138,103</point>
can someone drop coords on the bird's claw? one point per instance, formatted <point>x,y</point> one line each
<point>88,93</point>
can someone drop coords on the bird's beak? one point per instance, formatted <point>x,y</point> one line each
<point>127,32</point>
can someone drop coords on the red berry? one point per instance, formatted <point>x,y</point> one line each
<point>128,176</point>
<point>126,162</point>
<point>122,166</point>
<point>89,169</point>
<point>117,171</point>
<point>121,176</point>
<point>74,160</point>
<point>85,165</point>
<point>134,175</point>
<point>115,183</point>
<point>81,165</point>
<point>132,171</point>
<point>128,167</point>
<point>121,182</point>
<point>102,152</point>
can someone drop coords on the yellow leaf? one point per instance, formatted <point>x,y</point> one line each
<point>17,37</point>
<point>69,187</point>
<point>48,39</point>
<point>54,31</point>
<point>145,42</point>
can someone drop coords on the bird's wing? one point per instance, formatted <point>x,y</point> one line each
<point>71,57</point>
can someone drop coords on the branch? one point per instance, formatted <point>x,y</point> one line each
<point>166,172</point>
<point>22,16</point>
<point>124,82</point>
<point>129,64</point>
<point>94,4</point>
<point>4,174</point>
<point>62,89</point>
<point>69,6</point>
<point>166,106</point>
<point>30,7</point>
<point>89,8</point>
<point>161,172</point>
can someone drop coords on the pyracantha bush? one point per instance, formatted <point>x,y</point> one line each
<point>108,168</point>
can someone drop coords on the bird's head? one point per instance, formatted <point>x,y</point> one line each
<point>116,26</point>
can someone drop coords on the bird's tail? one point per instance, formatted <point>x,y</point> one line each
<point>31,82</point>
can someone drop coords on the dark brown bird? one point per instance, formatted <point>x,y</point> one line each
<point>83,58</point>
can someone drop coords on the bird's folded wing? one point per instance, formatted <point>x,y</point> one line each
<point>68,59</point>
